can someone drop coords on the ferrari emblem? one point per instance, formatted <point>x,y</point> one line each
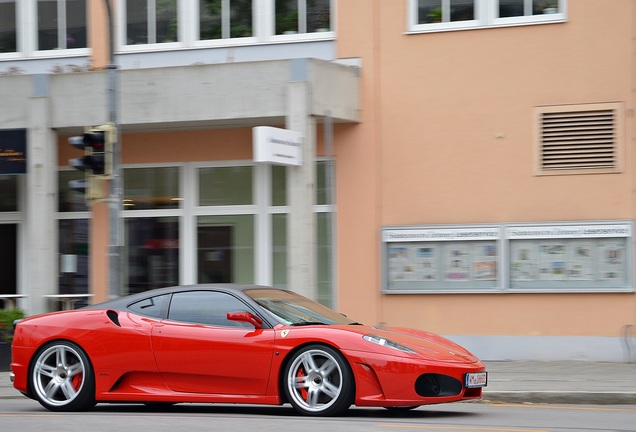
<point>284,333</point>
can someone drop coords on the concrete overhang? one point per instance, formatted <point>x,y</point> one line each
<point>229,95</point>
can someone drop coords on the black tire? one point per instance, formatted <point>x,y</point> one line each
<point>318,381</point>
<point>62,377</point>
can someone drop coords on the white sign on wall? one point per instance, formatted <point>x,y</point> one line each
<point>277,146</point>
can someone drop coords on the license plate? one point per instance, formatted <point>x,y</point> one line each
<point>479,379</point>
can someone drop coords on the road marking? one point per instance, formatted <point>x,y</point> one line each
<point>460,428</point>
<point>562,407</point>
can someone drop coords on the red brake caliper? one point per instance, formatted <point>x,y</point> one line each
<point>303,391</point>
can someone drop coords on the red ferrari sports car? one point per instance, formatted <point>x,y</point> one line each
<point>226,343</point>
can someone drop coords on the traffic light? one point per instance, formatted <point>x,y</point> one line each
<point>97,162</point>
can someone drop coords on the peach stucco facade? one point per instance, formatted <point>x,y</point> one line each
<point>447,137</point>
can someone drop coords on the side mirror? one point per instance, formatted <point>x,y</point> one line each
<point>244,316</point>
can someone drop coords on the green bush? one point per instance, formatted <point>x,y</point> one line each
<point>6,323</point>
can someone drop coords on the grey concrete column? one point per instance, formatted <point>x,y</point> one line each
<point>41,200</point>
<point>301,189</point>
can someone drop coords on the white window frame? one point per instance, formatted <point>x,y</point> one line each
<point>122,26</point>
<point>486,16</point>
<point>263,21</point>
<point>27,33</point>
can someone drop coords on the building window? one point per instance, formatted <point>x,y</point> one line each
<point>579,139</point>
<point>225,249</point>
<point>74,252</point>
<point>69,200</point>
<point>222,186</point>
<point>443,11</point>
<point>151,188</point>
<point>152,253</point>
<point>151,22</point>
<point>8,193</point>
<point>302,16</point>
<point>8,27</point>
<point>442,15</point>
<point>225,19</point>
<point>61,24</point>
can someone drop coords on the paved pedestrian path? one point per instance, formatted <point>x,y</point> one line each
<point>576,382</point>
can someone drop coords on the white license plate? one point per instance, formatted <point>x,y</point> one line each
<point>479,379</point>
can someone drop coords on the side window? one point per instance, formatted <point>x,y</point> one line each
<point>151,307</point>
<point>205,307</point>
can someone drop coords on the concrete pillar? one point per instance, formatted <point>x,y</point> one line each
<point>301,189</point>
<point>41,201</point>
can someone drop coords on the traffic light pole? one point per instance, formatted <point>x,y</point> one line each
<point>115,189</point>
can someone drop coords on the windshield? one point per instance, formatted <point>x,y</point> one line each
<point>293,309</point>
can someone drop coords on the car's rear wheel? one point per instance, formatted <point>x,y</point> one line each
<point>62,377</point>
<point>319,381</point>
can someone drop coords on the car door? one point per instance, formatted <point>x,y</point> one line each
<point>199,350</point>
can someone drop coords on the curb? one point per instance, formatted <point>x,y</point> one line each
<point>562,397</point>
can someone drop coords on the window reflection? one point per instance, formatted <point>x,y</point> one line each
<point>152,253</point>
<point>225,186</point>
<point>57,33</point>
<point>8,193</point>
<point>74,256</point>
<point>151,188</point>
<point>8,33</point>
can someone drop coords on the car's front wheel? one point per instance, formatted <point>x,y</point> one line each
<point>319,381</point>
<point>62,377</point>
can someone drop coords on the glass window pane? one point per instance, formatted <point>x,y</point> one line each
<point>318,15</point>
<point>47,25</point>
<point>511,8</point>
<point>136,22</point>
<point>286,16</point>
<point>462,10</point>
<point>240,18</point>
<point>325,258</point>
<point>69,200</point>
<point>322,194</point>
<point>203,307</point>
<point>279,185</point>
<point>8,40</point>
<point>74,252</point>
<point>279,250</point>
<point>429,11</point>
<point>225,249</point>
<point>151,188</point>
<point>225,186</point>
<point>152,253</point>
<point>210,19</point>
<point>540,7</point>
<point>76,24</point>
<point>8,193</point>
<point>9,254</point>
<point>166,21</point>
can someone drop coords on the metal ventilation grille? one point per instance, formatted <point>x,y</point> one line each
<point>578,140</point>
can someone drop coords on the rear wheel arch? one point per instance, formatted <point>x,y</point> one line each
<point>61,376</point>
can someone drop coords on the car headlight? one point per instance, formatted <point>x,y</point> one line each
<point>379,340</point>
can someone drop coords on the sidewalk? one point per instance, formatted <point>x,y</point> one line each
<point>530,382</point>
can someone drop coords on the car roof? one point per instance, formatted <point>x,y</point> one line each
<point>122,303</point>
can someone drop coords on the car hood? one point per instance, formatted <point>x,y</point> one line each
<point>427,344</point>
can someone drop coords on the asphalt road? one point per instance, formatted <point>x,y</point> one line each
<point>26,415</point>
